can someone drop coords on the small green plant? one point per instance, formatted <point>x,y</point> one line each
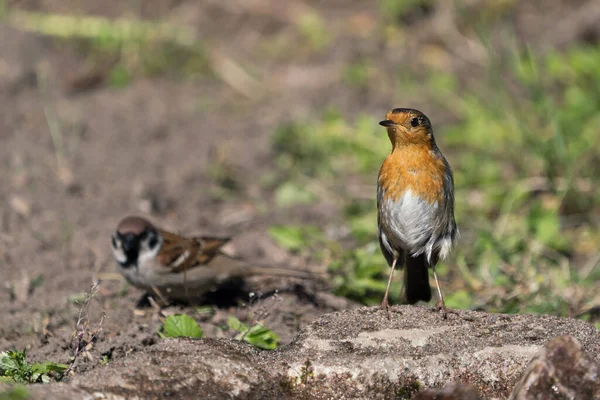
<point>329,147</point>
<point>314,29</point>
<point>180,325</point>
<point>257,335</point>
<point>15,368</point>
<point>306,372</point>
<point>396,10</point>
<point>407,389</point>
<point>357,74</point>
<point>295,238</point>
<point>523,145</point>
<point>360,274</point>
<point>16,392</point>
<point>138,47</point>
<point>291,193</point>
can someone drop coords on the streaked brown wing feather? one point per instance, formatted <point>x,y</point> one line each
<point>200,251</point>
<point>210,247</point>
<point>173,252</point>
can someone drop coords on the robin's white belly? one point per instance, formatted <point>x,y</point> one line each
<point>417,227</point>
<point>408,223</point>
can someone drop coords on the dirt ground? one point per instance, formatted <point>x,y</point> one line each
<point>74,163</point>
<point>145,149</point>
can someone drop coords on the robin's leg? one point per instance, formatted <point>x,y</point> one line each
<point>440,305</point>
<point>384,304</point>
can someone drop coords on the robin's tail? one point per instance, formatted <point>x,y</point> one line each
<point>416,279</point>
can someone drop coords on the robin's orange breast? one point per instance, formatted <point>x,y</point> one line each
<point>414,168</point>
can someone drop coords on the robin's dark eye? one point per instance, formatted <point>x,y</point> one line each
<point>414,122</point>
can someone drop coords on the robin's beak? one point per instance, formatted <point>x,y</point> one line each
<point>387,123</point>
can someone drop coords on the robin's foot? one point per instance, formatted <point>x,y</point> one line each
<point>386,306</point>
<point>440,306</point>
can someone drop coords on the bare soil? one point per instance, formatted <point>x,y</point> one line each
<point>74,163</point>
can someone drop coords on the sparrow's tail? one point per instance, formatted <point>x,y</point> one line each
<point>245,268</point>
<point>416,279</point>
<point>281,271</point>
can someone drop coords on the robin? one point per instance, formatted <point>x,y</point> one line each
<point>415,203</point>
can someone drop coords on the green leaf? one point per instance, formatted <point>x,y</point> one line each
<point>49,366</point>
<point>7,362</point>
<point>258,335</point>
<point>14,366</point>
<point>41,370</point>
<point>261,337</point>
<point>205,310</point>
<point>77,298</point>
<point>181,325</point>
<point>236,324</point>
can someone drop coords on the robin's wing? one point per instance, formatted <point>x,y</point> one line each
<point>179,253</point>
<point>388,251</point>
<point>385,247</point>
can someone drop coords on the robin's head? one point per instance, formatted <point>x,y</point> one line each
<point>406,126</point>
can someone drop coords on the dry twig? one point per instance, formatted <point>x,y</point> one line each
<point>83,335</point>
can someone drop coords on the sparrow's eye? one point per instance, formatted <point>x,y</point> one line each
<point>143,235</point>
<point>153,242</point>
<point>414,122</point>
<point>114,242</point>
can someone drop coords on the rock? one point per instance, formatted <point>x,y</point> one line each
<point>419,349</point>
<point>352,354</point>
<point>456,391</point>
<point>560,371</point>
<point>182,369</point>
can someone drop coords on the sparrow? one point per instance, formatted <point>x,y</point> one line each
<point>176,267</point>
<point>415,204</point>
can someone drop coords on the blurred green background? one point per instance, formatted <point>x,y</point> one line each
<point>512,89</point>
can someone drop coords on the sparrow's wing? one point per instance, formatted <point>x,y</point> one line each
<point>196,256</point>
<point>210,248</point>
<point>179,253</point>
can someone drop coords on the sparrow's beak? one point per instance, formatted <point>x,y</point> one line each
<point>388,123</point>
